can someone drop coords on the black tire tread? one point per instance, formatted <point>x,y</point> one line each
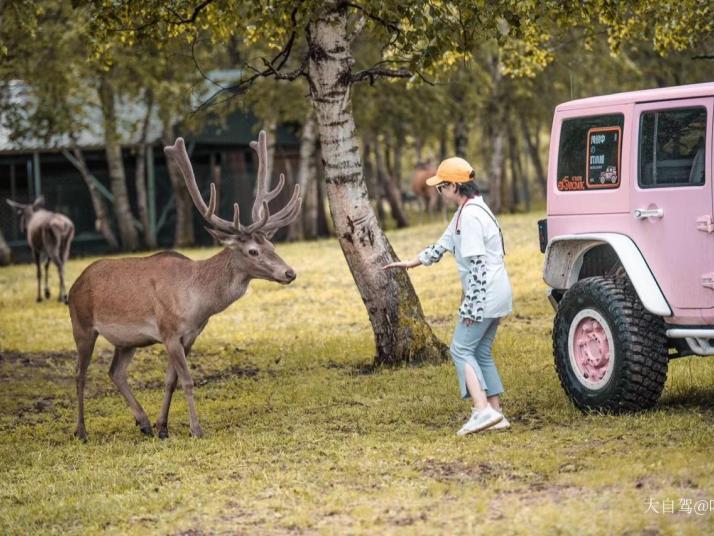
<point>642,342</point>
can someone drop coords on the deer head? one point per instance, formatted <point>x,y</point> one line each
<point>26,211</point>
<point>250,245</point>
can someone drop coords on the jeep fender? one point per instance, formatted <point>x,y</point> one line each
<point>564,259</point>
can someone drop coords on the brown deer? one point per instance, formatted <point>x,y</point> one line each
<point>49,235</point>
<point>168,298</point>
<point>425,194</point>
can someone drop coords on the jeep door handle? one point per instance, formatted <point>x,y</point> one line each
<point>642,213</point>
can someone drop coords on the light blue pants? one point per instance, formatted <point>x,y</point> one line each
<point>471,346</point>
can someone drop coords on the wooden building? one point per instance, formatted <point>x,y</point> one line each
<point>219,150</point>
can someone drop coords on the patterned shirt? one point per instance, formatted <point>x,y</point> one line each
<point>475,240</point>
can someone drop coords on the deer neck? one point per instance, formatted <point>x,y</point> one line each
<point>221,280</point>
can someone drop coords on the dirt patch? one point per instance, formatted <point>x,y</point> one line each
<point>37,359</point>
<point>59,366</point>
<point>529,417</point>
<point>401,518</point>
<point>461,472</point>
<point>200,378</point>
<point>46,366</point>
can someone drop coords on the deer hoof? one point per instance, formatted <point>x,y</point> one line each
<point>197,432</point>
<point>81,435</point>
<point>163,431</point>
<point>145,427</point>
<point>39,299</point>
<point>47,294</point>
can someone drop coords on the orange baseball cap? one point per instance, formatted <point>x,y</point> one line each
<point>453,169</point>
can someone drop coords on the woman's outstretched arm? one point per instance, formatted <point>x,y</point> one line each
<point>429,255</point>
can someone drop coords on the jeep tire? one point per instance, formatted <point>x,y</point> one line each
<point>610,353</point>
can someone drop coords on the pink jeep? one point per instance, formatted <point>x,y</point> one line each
<point>629,241</point>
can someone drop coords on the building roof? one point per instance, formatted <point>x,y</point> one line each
<point>237,128</point>
<point>130,115</point>
<point>647,95</point>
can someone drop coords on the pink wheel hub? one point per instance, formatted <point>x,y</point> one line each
<point>591,348</point>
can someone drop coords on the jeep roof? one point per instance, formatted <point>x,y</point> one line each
<point>646,95</point>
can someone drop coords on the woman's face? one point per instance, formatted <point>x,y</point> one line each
<point>448,191</point>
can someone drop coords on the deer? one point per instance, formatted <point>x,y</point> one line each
<point>167,298</point>
<point>427,195</point>
<point>49,235</point>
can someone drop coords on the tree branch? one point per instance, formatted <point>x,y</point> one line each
<point>378,70</point>
<point>196,11</point>
<point>391,26</point>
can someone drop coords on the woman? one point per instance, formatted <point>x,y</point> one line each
<point>474,238</point>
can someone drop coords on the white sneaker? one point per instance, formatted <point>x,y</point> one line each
<point>503,425</point>
<point>481,420</point>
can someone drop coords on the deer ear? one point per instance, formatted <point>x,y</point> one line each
<point>39,202</point>
<point>224,239</point>
<point>14,204</point>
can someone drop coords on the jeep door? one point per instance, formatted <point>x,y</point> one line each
<point>671,201</point>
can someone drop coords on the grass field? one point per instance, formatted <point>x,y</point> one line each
<point>302,438</point>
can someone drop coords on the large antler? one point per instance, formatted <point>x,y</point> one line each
<point>263,195</point>
<point>262,220</point>
<point>177,151</point>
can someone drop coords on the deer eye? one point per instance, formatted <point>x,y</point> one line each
<point>253,252</point>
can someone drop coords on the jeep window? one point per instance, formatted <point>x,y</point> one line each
<point>671,148</point>
<point>589,152</point>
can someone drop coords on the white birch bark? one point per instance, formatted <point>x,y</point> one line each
<point>401,332</point>
<point>303,227</point>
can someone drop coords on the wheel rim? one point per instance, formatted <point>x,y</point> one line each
<point>591,349</point>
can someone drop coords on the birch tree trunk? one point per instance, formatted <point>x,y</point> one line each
<point>271,128</point>
<point>496,135</point>
<point>102,220</point>
<point>371,179</point>
<point>217,179</point>
<point>534,151</point>
<point>515,167</point>
<point>304,226</point>
<point>461,135</point>
<point>117,175</point>
<point>142,206</point>
<point>401,332</point>
<point>321,217</point>
<point>184,234</point>
<point>391,190</point>
<point>5,253</point>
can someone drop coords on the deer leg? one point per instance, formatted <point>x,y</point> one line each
<point>64,257</point>
<point>85,347</point>
<point>36,255</point>
<point>177,358</point>
<point>118,374</point>
<point>47,278</point>
<point>162,424</point>
<point>63,292</point>
<point>60,270</point>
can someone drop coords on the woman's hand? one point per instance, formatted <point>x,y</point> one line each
<point>402,264</point>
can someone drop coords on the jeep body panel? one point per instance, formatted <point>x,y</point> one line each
<point>675,243</point>
<point>678,253</point>
<point>564,258</point>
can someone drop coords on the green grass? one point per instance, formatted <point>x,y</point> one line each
<point>300,439</point>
